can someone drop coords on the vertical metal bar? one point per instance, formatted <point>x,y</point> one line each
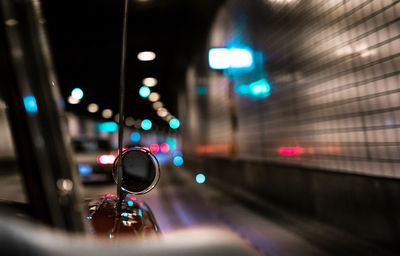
<point>122,99</point>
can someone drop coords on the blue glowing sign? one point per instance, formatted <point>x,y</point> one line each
<point>241,58</point>
<point>30,104</point>
<point>232,58</point>
<point>106,127</point>
<point>218,58</point>
<point>200,178</point>
<point>146,124</point>
<point>135,136</point>
<point>260,88</point>
<point>130,203</point>
<point>174,123</point>
<point>140,213</point>
<point>257,89</point>
<point>178,160</point>
<point>144,91</point>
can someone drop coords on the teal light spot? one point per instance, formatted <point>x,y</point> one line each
<point>106,127</point>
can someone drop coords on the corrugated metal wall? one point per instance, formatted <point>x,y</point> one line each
<point>334,77</point>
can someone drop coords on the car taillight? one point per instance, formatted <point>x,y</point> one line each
<point>154,148</point>
<point>105,159</point>
<point>164,148</point>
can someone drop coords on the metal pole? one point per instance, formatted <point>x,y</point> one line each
<point>122,101</point>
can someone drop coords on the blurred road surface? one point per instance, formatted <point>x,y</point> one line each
<point>178,202</point>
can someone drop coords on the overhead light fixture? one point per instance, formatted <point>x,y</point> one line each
<point>157,105</point>
<point>72,100</point>
<point>168,117</point>
<point>162,112</point>
<point>218,58</point>
<point>116,118</point>
<point>93,108</point>
<point>107,113</point>
<point>146,56</point>
<point>129,121</point>
<point>224,58</point>
<point>150,81</point>
<point>153,97</point>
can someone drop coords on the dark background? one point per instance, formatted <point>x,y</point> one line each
<point>85,37</point>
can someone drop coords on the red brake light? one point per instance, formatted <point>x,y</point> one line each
<point>105,159</point>
<point>164,148</point>
<point>154,148</point>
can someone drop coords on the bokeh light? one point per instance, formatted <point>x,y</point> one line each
<point>150,81</point>
<point>168,117</point>
<point>107,113</point>
<point>146,56</point>
<point>30,104</point>
<point>200,178</point>
<point>129,121</point>
<point>223,58</point>
<point>77,93</point>
<point>116,118</point>
<point>153,97</point>
<point>135,136</point>
<point>178,160</point>
<point>174,123</point>
<point>171,142</point>
<point>154,148</point>
<point>157,105</point>
<point>162,112</point>
<point>85,169</point>
<point>72,100</point>
<point>93,108</point>
<point>164,147</point>
<point>144,91</point>
<point>106,127</point>
<point>105,159</point>
<point>146,124</point>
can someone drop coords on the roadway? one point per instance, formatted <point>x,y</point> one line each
<point>178,202</point>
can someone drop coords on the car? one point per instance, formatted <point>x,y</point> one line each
<point>95,158</point>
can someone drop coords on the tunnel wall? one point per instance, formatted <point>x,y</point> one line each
<point>367,207</point>
<point>314,122</point>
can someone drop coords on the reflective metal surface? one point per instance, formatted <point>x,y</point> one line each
<point>140,170</point>
<point>135,218</point>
